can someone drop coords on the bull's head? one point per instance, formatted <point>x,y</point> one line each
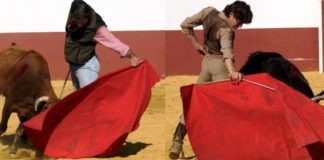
<point>42,103</point>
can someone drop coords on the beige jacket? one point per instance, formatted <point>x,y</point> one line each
<point>225,35</point>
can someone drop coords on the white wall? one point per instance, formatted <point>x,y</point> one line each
<point>267,13</point>
<point>33,15</point>
<point>50,15</point>
<point>131,14</point>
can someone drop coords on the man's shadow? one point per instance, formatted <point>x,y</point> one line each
<point>130,148</point>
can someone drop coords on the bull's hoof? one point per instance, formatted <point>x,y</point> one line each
<point>12,155</point>
<point>12,151</point>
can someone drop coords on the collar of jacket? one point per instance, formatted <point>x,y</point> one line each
<point>223,16</point>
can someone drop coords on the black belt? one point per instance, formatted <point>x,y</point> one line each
<point>209,51</point>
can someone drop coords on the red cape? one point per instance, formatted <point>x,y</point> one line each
<point>246,121</point>
<point>96,119</point>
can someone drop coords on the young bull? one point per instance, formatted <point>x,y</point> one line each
<point>26,85</point>
<point>280,68</point>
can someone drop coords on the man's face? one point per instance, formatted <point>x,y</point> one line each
<point>77,23</point>
<point>82,22</point>
<point>234,21</point>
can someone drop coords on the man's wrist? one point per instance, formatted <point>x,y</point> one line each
<point>130,54</point>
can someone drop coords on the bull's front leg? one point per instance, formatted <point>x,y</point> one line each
<point>6,112</point>
<point>14,145</point>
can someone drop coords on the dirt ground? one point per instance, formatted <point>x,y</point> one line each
<point>152,139</point>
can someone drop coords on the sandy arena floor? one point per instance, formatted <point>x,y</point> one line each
<point>152,139</point>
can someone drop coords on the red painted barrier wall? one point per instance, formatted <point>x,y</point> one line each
<point>299,45</point>
<point>292,43</point>
<point>171,53</point>
<point>322,29</point>
<point>146,45</point>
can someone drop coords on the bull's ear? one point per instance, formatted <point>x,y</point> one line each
<point>13,43</point>
<point>33,51</point>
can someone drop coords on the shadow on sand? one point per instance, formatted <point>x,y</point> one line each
<point>25,151</point>
<point>126,150</point>
<point>130,148</point>
<point>7,140</point>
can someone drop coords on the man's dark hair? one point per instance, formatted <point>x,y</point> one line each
<point>79,8</point>
<point>241,11</point>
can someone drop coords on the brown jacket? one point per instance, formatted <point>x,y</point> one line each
<point>79,46</point>
<point>218,32</point>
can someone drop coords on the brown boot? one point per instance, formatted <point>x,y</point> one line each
<point>178,137</point>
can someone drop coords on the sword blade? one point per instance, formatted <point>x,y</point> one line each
<point>258,84</point>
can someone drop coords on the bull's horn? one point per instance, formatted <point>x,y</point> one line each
<point>39,100</point>
<point>317,98</point>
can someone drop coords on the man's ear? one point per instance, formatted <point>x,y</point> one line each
<point>231,15</point>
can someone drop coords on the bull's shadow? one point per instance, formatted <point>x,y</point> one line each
<point>7,140</point>
<point>26,149</point>
<point>126,150</point>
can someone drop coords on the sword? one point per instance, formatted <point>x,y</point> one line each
<point>258,84</point>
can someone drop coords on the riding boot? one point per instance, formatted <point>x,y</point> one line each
<point>178,137</point>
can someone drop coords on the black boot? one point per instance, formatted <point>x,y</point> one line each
<point>177,141</point>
